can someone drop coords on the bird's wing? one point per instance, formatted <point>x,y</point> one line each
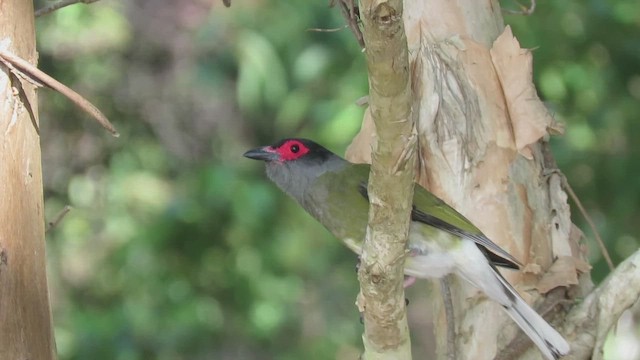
<point>446,218</point>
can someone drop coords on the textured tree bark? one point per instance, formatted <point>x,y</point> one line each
<point>381,276</point>
<point>481,132</point>
<point>25,315</point>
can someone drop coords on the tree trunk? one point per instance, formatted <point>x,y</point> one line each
<point>25,315</point>
<point>481,133</point>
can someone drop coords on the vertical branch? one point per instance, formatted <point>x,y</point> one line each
<point>25,316</point>
<point>391,182</point>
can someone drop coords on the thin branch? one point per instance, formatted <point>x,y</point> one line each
<point>33,73</point>
<point>386,333</point>
<point>351,13</point>
<point>523,9</point>
<point>328,30</point>
<point>363,101</point>
<point>59,5</point>
<point>58,218</point>
<point>551,167</point>
<point>592,225</point>
<point>589,322</point>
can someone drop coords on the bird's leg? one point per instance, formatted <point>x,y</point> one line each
<point>408,281</point>
<point>449,316</point>
<point>360,312</point>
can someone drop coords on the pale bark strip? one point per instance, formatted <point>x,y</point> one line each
<point>481,158</point>
<point>25,315</point>
<point>391,182</point>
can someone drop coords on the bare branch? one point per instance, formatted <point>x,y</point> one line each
<point>351,13</point>
<point>381,274</point>
<point>59,5</point>
<point>58,218</point>
<point>526,11</point>
<point>583,211</point>
<point>35,74</point>
<point>551,167</point>
<point>328,30</point>
<point>25,310</point>
<point>590,321</point>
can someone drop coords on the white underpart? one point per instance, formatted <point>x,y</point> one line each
<point>438,253</point>
<point>443,253</point>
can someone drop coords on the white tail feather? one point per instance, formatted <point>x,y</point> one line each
<point>437,260</point>
<point>472,265</point>
<point>548,340</point>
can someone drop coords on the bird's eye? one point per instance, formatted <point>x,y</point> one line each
<point>295,148</point>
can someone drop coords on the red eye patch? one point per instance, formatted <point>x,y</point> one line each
<point>292,150</point>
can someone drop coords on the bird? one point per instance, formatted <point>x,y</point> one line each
<point>441,240</point>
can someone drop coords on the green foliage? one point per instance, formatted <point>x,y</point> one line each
<point>177,248</point>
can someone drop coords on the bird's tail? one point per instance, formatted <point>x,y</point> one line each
<point>548,340</point>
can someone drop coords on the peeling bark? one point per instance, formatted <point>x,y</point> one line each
<point>480,129</point>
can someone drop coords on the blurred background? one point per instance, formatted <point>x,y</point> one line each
<point>178,248</point>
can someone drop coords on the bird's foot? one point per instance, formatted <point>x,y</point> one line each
<point>408,281</point>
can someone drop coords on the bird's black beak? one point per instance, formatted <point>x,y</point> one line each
<point>264,153</point>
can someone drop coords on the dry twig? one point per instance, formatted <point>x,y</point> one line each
<point>60,4</point>
<point>523,9</point>
<point>328,30</point>
<point>25,70</point>
<point>592,225</point>
<point>58,218</point>
<point>351,13</point>
<point>552,168</point>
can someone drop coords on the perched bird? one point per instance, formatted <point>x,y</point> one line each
<point>441,240</point>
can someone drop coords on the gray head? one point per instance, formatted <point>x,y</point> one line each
<point>293,164</point>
